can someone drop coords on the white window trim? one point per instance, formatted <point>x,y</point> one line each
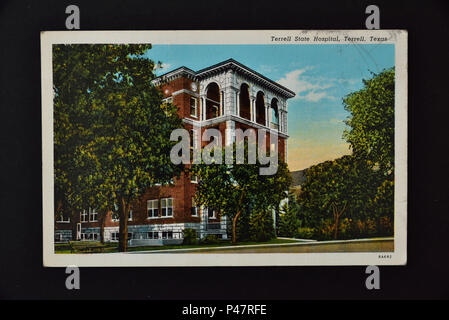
<point>84,216</point>
<point>194,205</point>
<point>84,236</point>
<point>112,238</point>
<point>153,217</point>
<point>61,219</point>
<point>115,219</point>
<point>118,236</point>
<point>153,232</point>
<point>167,232</point>
<point>172,208</point>
<point>194,137</point>
<point>91,214</point>
<point>196,108</point>
<point>214,214</point>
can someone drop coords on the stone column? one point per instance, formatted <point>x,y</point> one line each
<point>230,132</point>
<point>267,108</point>
<point>203,108</point>
<point>222,103</point>
<point>237,102</point>
<point>281,120</point>
<point>252,108</point>
<point>270,116</point>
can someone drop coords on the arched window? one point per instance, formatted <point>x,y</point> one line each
<point>260,108</point>
<point>212,101</point>
<point>245,105</point>
<point>274,114</point>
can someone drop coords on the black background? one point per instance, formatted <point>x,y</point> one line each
<point>22,275</point>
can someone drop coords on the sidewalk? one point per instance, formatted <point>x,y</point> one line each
<point>358,245</point>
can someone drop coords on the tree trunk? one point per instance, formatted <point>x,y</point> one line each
<point>336,227</point>
<point>337,216</point>
<point>234,227</point>
<point>234,220</point>
<point>123,225</point>
<point>58,210</point>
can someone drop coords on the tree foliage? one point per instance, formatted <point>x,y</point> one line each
<point>239,189</point>
<point>340,187</point>
<point>112,132</point>
<point>261,225</point>
<point>371,133</point>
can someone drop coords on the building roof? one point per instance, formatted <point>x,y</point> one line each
<point>223,66</point>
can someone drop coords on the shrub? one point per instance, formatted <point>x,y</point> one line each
<point>261,226</point>
<point>210,239</point>
<point>344,228</point>
<point>385,226</point>
<point>305,233</point>
<point>325,231</point>
<point>189,236</point>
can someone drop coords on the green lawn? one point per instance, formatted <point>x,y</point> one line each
<point>112,247</point>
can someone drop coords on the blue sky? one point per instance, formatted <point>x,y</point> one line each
<point>320,75</point>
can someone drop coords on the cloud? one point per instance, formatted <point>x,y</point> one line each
<point>308,88</point>
<point>314,96</point>
<point>265,68</point>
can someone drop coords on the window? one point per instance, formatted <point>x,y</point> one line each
<point>130,217</point>
<point>115,236</point>
<point>115,217</point>
<point>167,235</point>
<point>193,107</point>
<point>153,208</point>
<point>93,215</point>
<point>84,216</point>
<point>167,207</point>
<point>214,111</point>
<point>194,209</point>
<point>92,236</point>
<point>193,138</point>
<point>153,235</point>
<point>62,219</point>
<point>211,213</point>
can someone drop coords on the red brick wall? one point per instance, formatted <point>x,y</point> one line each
<point>181,100</point>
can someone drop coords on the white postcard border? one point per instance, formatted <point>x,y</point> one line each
<point>398,257</point>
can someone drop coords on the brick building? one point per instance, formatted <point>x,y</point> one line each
<point>225,96</point>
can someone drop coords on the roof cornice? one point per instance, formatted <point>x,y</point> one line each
<point>223,66</point>
<point>246,72</point>
<point>172,75</point>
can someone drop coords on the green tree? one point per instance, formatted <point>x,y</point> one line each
<point>371,133</point>
<point>112,132</point>
<point>333,188</point>
<point>261,225</point>
<point>231,189</point>
<point>289,218</point>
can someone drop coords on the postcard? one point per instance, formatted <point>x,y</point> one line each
<point>224,148</point>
